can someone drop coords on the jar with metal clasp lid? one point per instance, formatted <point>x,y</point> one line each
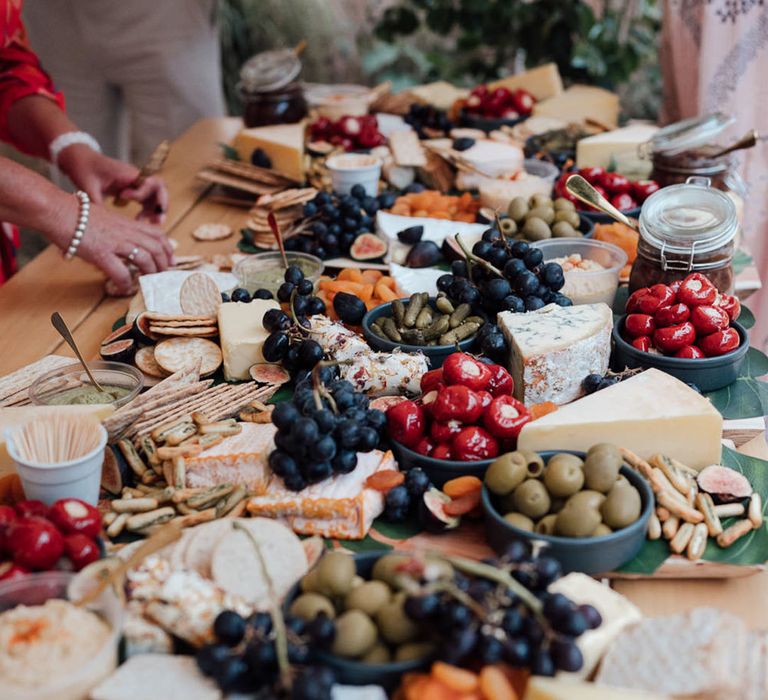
<point>269,90</point>
<point>686,228</point>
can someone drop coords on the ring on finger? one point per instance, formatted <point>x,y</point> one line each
<point>132,255</point>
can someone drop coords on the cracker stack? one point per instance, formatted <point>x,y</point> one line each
<point>288,208</point>
<point>14,387</point>
<point>244,177</point>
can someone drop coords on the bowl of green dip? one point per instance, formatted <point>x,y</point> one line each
<point>70,385</point>
<point>266,270</point>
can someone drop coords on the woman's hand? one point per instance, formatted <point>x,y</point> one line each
<point>101,177</point>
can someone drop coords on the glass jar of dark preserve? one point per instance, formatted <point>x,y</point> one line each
<point>686,228</point>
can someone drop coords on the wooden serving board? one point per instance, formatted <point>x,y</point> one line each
<point>680,567</point>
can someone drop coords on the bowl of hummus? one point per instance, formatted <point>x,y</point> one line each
<point>591,268</point>
<point>70,385</point>
<point>50,647</point>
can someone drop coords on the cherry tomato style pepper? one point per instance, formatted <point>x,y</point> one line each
<point>474,443</point>
<point>81,550</point>
<point>623,201</point>
<point>7,518</point>
<point>638,325</point>
<point>730,304</point>
<point>444,432</point>
<point>443,451</point>
<point>430,380</point>
<point>616,183</point>
<point>671,315</point>
<point>675,287</point>
<point>648,299</point>
<point>696,289</point>
<point>424,446</point>
<point>594,176</point>
<point>720,342</point>
<point>501,381</point>
<point>690,352</point>
<point>28,508</point>
<point>405,422</point>
<point>672,338</point>
<point>10,571</point>
<point>505,417</point>
<point>457,402</point>
<point>485,398</point>
<point>707,319</point>
<point>72,515</point>
<point>642,189</point>
<point>643,343</point>
<point>35,543</point>
<point>464,369</point>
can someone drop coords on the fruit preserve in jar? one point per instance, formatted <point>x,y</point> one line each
<point>686,228</point>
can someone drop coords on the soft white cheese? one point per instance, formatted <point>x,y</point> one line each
<point>242,335</point>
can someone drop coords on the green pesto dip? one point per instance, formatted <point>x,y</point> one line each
<point>88,394</point>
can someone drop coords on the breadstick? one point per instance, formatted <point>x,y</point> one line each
<point>118,526</point>
<point>153,517</point>
<point>654,527</point>
<point>755,510</point>
<point>707,508</point>
<point>698,542</point>
<point>134,505</point>
<point>636,462</point>
<point>729,510</point>
<point>734,532</point>
<point>676,477</point>
<point>681,510</point>
<point>670,527</point>
<point>681,539</point>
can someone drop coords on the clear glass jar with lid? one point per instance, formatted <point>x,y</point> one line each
<point>686,228</point>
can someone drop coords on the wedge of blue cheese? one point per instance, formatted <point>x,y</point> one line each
<point>554,348</point>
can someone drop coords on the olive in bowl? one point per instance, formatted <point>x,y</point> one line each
<point>590,509</point>
<point>353,608</point>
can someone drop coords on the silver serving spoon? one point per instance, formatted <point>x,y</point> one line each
<point>60,325</point>
<point>584,192</point>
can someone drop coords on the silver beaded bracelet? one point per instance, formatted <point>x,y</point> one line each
<point>82,223</point>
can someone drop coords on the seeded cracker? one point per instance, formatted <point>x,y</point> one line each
<point>199,295</point>
<point>175,354</point>
<point>212,232</point>
<point>186,331</point>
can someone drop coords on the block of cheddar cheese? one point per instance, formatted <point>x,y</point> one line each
<point>242,335</point>
<point>283,144</point>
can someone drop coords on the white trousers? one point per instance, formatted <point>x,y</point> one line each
<point>133,72</point>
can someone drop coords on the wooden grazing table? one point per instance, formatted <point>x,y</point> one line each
<point>76,290</point>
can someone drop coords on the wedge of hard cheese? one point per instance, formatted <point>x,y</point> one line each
<point>282,143</point>
<point>542,82</point>
<point>239,459</point>
<point>14,417</point>
<point>619,146</point>
<point>582,103</point>
<point>242,335</point>
<point>341,507</point>
<point>540,688</point>
<point>649,413</point>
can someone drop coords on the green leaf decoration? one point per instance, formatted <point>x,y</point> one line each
<point>741,260</point>
<point>285,393</point>
<point>397,531</point>
<point>650,557</point>
<point>228,152</point>
<point>747,397</point>
<point>365,545</point>
<point>746,318</point>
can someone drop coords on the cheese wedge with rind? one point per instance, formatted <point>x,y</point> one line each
<point>649,413</point>
<point>283,144</point>
<point>242,336</point>
<point>581,103</point>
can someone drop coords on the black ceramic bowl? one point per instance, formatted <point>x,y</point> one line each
<point>598,217</point>
<point>349,671</point>
<point>487,124</point>
<point>435,353</point>
<point>590,555</point>
<point>707,373</point>
<point>586,225</point>
<point>438,470</point>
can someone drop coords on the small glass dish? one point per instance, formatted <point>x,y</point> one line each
<point>56,674</point>
<point>266,270</point>
<point>587,286</point>
<point>60,386</point>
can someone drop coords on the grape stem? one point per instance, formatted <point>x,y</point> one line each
<point>319,390</point>
<point>471,257</point>
<point>293,313</point>
<point>281,634</point>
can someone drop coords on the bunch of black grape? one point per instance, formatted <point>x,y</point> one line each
<point>288,341</point>
<point>337,220</point>
<point>508,630</point>
<point>429,118</point>
<point>402,501</point>
<point>320,431</point>
<point>243,658</point>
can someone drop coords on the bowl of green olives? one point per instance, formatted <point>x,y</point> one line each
<point>539,218</point>
<point>369,639</point>
<point>430,325</point>
<point>590,509</point>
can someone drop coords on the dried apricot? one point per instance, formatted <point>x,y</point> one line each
<point>462,485</point>
<point>385,480</point>
<point>539,410</point>
<point>463,504</point>
<point>494,684</point>
<point>454,677</point>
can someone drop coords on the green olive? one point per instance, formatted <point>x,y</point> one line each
<point>569,217</point>
<point>576,520</point>
<point>621,507</point>
<point>518,208</point>
<point>378,655</point>
<point>385,568</point>
<point>601,530</point>
<point>587,497</point>
<point>355,634</point>
<point>546,526</point>
<point>335,572</point>
<point>540,200</point>
<point>508,227</point>
<point>601,468</point>
<point>309,605</point>
<point>556,505</point>
<point>564,475</point>
<point>536,229</point>
<point>394,625</point>
<point>310,583</point>
<point>563,229</point>
<point>545,213</point>
<point>520,521</point>
<point>414,650</point>
<point>369,597</point>
<point>506,473</point>
<point>534,463</point>
<point>563,204</point>
<point>531,498</point>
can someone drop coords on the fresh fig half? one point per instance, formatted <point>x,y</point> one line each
<point>724,484</point>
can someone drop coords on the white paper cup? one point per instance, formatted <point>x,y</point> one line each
<point>350,169</point>
<point>77,478</point>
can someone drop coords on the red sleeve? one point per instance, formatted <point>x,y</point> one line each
<point>20,71</point>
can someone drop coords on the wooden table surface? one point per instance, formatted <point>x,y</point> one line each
<point>76,290</point>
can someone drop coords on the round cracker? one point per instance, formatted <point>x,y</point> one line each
<point>200,295</point>
<point>198,552</point>
<point>237,567</point>
<point>176,558</point>
<point>176,354</point>
<point>212,232</point>
<point>145,360</point>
